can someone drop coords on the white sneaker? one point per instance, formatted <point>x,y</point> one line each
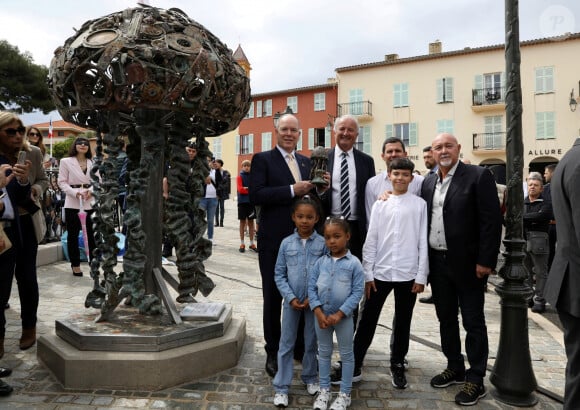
<point>312,388</point>
<point>281,400</point>
<point>341,402</point>
<point>321,402</point>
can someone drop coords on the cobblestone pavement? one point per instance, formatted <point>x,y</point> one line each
<point>247,386</point>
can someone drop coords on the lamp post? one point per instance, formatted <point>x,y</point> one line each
<point>279,114</point>
<point>513,375</point>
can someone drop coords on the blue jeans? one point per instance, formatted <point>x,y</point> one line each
<point>344,335</point>
<point>291,318</point>
<point>209,205</point>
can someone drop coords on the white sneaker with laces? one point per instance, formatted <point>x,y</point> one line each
<point>341,402</point>
<point>281,400</point>
<point>321,402</point>
<point>312,388</point>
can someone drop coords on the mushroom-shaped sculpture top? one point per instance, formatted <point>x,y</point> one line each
<point>149,58</point>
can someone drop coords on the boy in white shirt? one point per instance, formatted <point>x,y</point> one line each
<point>395,257</point>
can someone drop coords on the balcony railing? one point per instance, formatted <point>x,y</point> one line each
<point>488,96</point>
<point>489,141</point>
<point>359,108</point>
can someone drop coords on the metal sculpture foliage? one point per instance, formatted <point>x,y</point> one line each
<point>157,77</point>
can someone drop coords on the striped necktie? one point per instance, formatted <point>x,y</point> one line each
<point>293,167</point>
<point>344,189</point>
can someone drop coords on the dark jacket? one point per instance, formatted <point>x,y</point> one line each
<point>537,215</point>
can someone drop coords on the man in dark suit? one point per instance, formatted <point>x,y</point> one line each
<point>361,167</point>
<point>563,285</point>
<point>277,176</point>
<point>464,239</point>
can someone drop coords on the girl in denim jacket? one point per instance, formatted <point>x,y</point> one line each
<point>335,288</point>
<point>296,257</point>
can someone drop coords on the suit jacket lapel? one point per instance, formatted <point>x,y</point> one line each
<point>454,185</point>
<point>302,162</point>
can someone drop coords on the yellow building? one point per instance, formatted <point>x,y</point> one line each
<point>463,92</point>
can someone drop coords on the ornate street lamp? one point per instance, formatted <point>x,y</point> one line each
<point>279,114</point>
<point>512,374</point>
<point>574,101</point>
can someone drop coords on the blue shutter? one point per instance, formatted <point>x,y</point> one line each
<point>412,134</point>
<point>251,143</point>
<point>310,138</point>
<point>327,136</point>
<point>388,130</point>
<point>238,145</point>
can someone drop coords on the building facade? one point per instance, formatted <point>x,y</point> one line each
<point>463,92</point>
<point>314,106</point>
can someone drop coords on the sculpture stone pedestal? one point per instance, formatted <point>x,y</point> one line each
<point>149,354</point>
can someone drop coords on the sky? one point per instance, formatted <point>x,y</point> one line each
<point>299,43</point>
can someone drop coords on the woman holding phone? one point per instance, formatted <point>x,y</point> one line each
<point>74,180</point>
<point>22,179</point>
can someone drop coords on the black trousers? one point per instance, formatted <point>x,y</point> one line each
<point>20,261</point>
<point>272,307</point>
<point>450,296</point>
<point>369,317</point>
<point>571,326</point>
<point>220,212</point>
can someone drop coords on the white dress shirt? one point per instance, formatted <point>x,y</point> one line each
<point>437,234</point>
<point>396,246</point>
<point>381,183</point>
<point>335,184</point>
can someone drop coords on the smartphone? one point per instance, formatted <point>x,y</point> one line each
<point>22,157</point>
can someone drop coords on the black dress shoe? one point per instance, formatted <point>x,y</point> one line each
<point>427,299</point>
<point>5,389</point>
<point>272,365</point>
<point>5,372</point>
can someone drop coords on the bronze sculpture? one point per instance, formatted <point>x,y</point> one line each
<point>319,158</point>
<point>158,77</point>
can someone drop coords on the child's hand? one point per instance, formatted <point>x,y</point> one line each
<point>306,304</point>
<point>417,288</point>
<point>321,317</point>
<point>335,318</point>
<point>368,287</point>
<point>295,304</point>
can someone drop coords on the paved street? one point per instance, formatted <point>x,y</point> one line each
<point>247,386</point>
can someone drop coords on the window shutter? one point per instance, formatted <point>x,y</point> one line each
<point>388,130</point>
<point>310,138</point>
<point>299,144</point>
<point>550,125</point>
<point>405,94</point>
<point>439,87</point>
<point>540,131</point>
<point>327,136</point>
<point>238,144</point>
<point>250,143</point>
<point>412,134</point>
<point>449,89</point>
<point>549,84</point>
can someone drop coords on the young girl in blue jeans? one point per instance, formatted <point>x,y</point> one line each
<point>335,288</point>
<point>298,253</point>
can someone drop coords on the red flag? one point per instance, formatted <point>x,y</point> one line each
<point>50,129</point>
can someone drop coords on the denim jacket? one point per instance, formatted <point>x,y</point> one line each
<point>336,285</point>
<point>294,264</point>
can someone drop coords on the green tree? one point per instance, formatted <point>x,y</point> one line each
<point>22,83</point>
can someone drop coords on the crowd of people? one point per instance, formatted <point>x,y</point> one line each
<point>326,249</point>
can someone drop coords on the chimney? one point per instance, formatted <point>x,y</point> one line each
<point>389,58</point>
<point>435,47</point>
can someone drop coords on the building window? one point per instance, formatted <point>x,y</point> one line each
<point>544,80</point>
<point>245,144</point>
<point>266,141</point>
<point>292,102</point>
<point>406,132</point>
<point>444,90</point>
<point>319,101</point>
<point>355,98</point>
<point>268,108</point>
<point>259,109</point>
<point>60,133</point>
<point>445,126</point>
<point>545,125</point>
<point>493,133</point>
<point>363,142</point>
<point>217,147</point>
<point>318,137</point>
<point>401,95</point>
<point>250,113</point>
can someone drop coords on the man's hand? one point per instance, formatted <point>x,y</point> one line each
<point>302,188</point>
<point>417,288</point>
<point>482,271</point>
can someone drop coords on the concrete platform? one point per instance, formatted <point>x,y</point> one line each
<point>77,369</point>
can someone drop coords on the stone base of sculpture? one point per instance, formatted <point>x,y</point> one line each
<point>130,355</point>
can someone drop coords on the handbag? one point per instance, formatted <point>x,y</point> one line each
<point>39,222</point>
<point>5,242</point>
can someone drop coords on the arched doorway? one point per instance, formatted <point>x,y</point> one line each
<point>497,168</point>
<point>538,164</point>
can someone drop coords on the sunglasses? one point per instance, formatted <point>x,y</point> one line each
<point>34,134</point>
<point>85,143</point>
<point>11,132</point>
